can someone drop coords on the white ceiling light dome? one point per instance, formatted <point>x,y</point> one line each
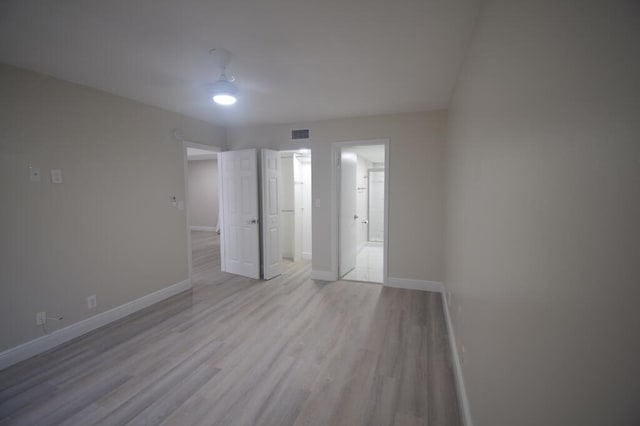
<point>223,91</point>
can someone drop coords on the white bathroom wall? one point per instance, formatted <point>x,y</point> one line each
<point>376,205</point>
<point>362,201</point>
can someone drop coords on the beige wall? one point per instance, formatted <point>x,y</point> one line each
<point>203,192</point>
<point>415,179</point>
<point>543,214</point>
<point>109,229</point>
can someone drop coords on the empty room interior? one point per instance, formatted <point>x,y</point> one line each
<point>410,212</point>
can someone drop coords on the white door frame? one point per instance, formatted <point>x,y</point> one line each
<point>185,165</point>
<point>336,149</point>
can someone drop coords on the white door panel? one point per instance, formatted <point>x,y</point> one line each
<point>271,248</point>
<point>239,199</point>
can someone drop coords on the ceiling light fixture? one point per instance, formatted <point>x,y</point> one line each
<point>224,92</point>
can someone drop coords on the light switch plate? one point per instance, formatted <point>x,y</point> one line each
<point>34,174</point>
<point>56,176</point>
<point>180,205</point>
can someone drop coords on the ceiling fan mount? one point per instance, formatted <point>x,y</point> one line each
<point>224,92</point>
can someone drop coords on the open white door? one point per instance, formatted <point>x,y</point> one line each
<point>348,216</point>
<point>298,209</point>
<point>239,199</point>
<point>271,249</point>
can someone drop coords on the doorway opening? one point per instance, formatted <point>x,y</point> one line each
<point>202,204</point>
<point>362,195</point>
<point>295,204</point>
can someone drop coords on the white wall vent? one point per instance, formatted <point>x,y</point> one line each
<point>300,134</point>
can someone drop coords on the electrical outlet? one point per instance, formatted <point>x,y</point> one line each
<point>91,301</point>
<point>41,318</point>
<point>56,176</point>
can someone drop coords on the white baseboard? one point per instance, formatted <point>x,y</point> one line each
<point>323,275</point>
<point>306,255</point>
<point>204,228</point>
<point>415,284</point>
<point>465,411</point>
<point>41,344</point>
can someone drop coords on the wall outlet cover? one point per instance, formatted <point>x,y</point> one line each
<point>92,302</point>
<point>56,176</point>
<point>41,318</point>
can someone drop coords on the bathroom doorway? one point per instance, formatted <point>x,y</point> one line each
<point>362,212</point>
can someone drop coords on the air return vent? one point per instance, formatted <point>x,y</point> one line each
<point>300,134</point>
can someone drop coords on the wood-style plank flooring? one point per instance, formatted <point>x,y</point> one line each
<point>236,351</point>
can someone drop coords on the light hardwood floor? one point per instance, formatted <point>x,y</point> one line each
<point>236,351</point>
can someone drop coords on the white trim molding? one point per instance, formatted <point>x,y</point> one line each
<point>203,228</point>
<point>202,157</point>
<point>41,344</point>
<point>465,411</point>
<point>438,287</point>
<point>324,275</point>
<point>411,284</point>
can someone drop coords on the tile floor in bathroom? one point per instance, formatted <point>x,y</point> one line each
<point>369,263</point>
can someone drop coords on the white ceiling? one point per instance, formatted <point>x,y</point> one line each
<point>294,60</point>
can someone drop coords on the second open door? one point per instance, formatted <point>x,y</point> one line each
<point>271,248</point>
<point>250,231</point>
